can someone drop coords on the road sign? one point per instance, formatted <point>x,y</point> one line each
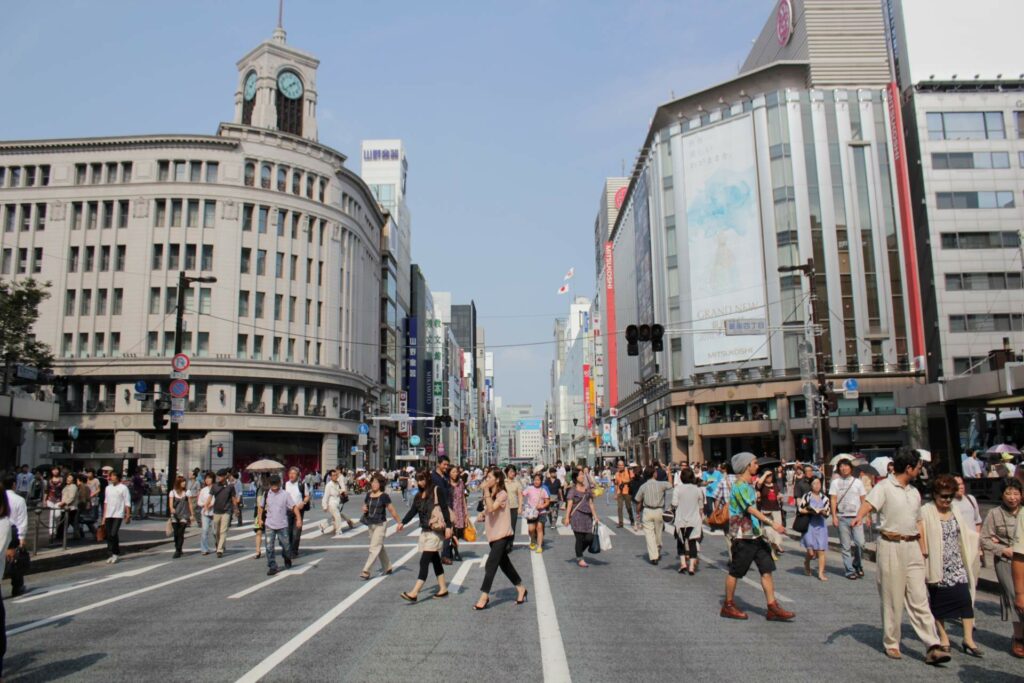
<point>178,375</point>
<point>403,428</point>
<point>354,450</point>
<point>851,388</point>
<point>178,388</point>
<point>414,440</point>
<point>141,387</point>
<point>177,416</point>
<point>440,449</point>
<point>72,433</point>
<point>180,362</point>
<point>141,397</point>
<point>745,326</point>
<point>177,404</point>
<point>364,428</point>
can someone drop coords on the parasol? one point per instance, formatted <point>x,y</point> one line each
<point>265,466</point>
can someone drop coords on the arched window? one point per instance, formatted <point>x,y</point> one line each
<point>296,182</point>
<point>265,176</point>
<point>289,102</point>
<point>323,190</point>
<point>282,178</point>
<point>250,173</point>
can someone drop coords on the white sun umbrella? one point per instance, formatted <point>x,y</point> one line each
<point>881,465</point>
<point>925,455</point>
<point>265,466</point>
<point>842,456</point>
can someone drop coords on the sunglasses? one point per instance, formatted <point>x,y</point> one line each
<point>946,496</point>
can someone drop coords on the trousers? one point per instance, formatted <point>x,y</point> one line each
<point>377,550</point>
<point>852,540</point>
<point>901,584</point>
<point>221,525</point>
<point>295,533</point>
<point>498,559</point>
<point>113,526</point>
<point>654,527</point>
<point>624,500</point>
<point>204,537</point>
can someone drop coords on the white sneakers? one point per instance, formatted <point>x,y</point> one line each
<point>113,559</point>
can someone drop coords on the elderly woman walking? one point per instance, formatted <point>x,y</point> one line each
<point>998,534</point>
<point>951,556</point>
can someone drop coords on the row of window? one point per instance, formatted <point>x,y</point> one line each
<point>285,222</point>
<point>80,302</point>
<point>28,216</point>
<point>943,161</point>
<point>987,322</point>
<point>286,177</point>
<point>168,300</point>
<point>258,351</point>
<point>982,281</point>
<point>246,266</point>
<point>174,253</point>
<point>258,300</point>
<point>25,263</point>
<point>966,125</point>
<point>94,345</point>
<point>118,253</point>
<point>996,199</point>
<point>187,171</point>
<point>175,213</point>
<point>105,214</point>
<point>969,365</point>
<point>990,239</point>
<point>25,176</point>
<point>103,173</point>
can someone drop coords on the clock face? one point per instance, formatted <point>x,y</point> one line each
<point>784,22</point>
<point>289,85</point>
<point>250,86</point>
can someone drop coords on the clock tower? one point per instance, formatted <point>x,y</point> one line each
<point>277,88</point>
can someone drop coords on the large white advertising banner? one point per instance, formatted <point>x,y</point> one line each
<point>724,226</point>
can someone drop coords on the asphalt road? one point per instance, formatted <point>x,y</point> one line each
<point>197,618</point>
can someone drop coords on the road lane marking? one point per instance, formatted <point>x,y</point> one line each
<point>750,582</point>
<point>552,650</point>
<point>85,584</point>
<point>351,533</point>
<point>123,596</point>
<point>282,575</point>
<point>564,531</point>
<point>415,532</point>
<point>307,634</point>
<point>460,576</point>
<point>391,531</point>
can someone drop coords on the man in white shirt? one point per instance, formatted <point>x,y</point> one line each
<point>24,482</point>
<point>972,466</point>
<point>299,496</point>
<point>847,495</point>
<point>117,508</point>
<point>19,518</point>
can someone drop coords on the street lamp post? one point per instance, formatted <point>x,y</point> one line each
<point>179,323</point>
<point>821,406</point>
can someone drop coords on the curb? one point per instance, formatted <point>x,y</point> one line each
<point>984,584</point>
<point>56,561</point>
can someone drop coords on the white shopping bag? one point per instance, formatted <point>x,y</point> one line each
<point>604,537</point>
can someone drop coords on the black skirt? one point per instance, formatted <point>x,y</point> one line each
<point>951,602</point>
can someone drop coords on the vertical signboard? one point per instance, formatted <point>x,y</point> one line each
<point>411,381</point>
<point>724,226</point>
<point>428,382</point>
<point>644,272</point>
<point>611,331</point>
<point>911,281</point>
<point>586,394</point>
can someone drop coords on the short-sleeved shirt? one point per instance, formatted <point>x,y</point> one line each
<point>652,493</point>
<point>1018,543</point>
<point>514,487</point>
<point>498,524</point>
<point>276,506</point>
<point>968,508</point>
<point>202,500</point>
<point>711,480</point>
<point>848,493</point>
<point>898,507</point>
<point>222,497</point>
<point>377,508</point>
<point>622,480</point>
<point>533,498</point>
<point>743,525</point>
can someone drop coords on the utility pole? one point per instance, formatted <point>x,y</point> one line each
<point>179,323</point>
<point>821,408</point>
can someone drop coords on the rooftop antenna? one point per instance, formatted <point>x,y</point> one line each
<point>279,33</point>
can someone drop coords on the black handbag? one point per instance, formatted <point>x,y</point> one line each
<point>802,523</point>
<point>595,542</point>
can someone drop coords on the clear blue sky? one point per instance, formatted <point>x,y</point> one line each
<point>513,113</point>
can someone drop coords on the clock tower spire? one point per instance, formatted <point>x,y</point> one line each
<point>277,86</point>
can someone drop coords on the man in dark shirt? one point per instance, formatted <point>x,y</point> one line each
<point>224,503</point>
<point>443,486</point>
<point>802,484</point>
<point>555,493</point>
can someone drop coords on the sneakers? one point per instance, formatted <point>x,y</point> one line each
<point>533,546</point>
<point>776,613</point>
<point>540,550</point>
<point>287,563</point>
<point>272,571</point>
<point>731,611</point>
<point>114,559</point>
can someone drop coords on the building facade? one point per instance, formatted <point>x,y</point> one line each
<point>285,344</point>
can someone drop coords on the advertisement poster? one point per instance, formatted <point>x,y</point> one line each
<point>644,274</point>
<point>724,226</point>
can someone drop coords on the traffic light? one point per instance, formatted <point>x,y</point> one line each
<point>632,335</point>
<point>645,332</point>
<point>657,333</point>
<point>804,442</point>
<point>159,417</point>
<point>220,451</point>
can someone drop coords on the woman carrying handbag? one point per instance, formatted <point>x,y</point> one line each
<point>497,519</point>
<point>431,505</point>
<point>180,504</point>
<point>813,511</point>
<point>581,516</point>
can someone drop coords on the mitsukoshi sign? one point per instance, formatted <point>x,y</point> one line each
<point>724,227</point>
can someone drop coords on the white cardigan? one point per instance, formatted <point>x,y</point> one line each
<point>933,539</point>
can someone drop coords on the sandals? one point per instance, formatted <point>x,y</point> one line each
<point>526,592</point>
<point>437,596</point>
<point>486,605</point>
<point>365,576</point>
<point>410,598</point>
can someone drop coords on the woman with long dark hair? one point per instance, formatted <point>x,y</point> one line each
<point>580,515</point>
<point>179,502</point>
<point>459,508</point>
<point>431,505</point>
<point>497,520</point>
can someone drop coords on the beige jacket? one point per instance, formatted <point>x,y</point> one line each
<point>969,546</point>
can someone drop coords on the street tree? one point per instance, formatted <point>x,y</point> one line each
<point>19,311</point>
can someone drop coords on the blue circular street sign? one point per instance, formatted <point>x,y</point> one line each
<point>364,428</point>
<point>141,387</point>
<point>73,433</point>
<point>178,388</point>
<point>414,440</point>
<point>850,384</point>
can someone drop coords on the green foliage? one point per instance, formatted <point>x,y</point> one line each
<point>19,311</point>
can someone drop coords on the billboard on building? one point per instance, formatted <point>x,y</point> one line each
<point>644,271</point>
<point>725,251</point>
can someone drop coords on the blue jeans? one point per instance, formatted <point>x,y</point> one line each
<point>273,537</point>
<point>852,540</point>
<point>204,537</point>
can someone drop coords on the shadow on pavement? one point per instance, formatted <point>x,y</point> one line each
<point>21,665</point>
